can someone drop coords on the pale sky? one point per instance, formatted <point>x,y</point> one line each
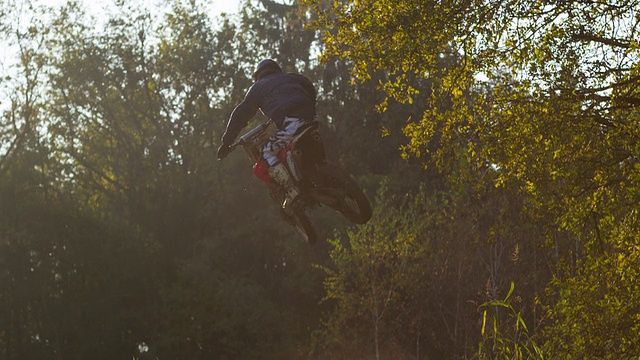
<point>8,54</point>
<point>96,7</point>
<point>216,6</point>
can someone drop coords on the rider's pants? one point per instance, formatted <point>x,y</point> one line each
<point>280,139</point>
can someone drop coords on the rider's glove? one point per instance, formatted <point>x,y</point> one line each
<point>223,151</point>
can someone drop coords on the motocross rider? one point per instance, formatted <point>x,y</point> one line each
<point>289,100</point>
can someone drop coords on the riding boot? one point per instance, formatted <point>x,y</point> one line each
<point>280,174</point>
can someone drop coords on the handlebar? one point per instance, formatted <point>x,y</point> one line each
<point>248,136</point>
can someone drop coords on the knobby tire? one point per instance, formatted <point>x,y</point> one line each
<point>354,205</point>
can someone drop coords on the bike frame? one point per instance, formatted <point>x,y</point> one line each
<point>319,181</point>
<point>254,140</point>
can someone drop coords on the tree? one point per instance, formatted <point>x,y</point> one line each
<point>543,92</point>
<point>126,193</point>
<point>411,282</point>
<point>372,281</point>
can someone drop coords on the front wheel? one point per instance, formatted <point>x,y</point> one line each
<point>304,227</point>
<point>349,197</point>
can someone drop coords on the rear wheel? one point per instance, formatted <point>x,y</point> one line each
<point>351,200</point>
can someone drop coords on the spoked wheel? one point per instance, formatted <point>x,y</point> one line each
<point>296,217</point>
<point>351,201</point>
<point>303,226</point>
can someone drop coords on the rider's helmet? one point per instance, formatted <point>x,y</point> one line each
<point>264,68</point>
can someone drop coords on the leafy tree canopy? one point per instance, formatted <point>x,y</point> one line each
<point>544,94</point>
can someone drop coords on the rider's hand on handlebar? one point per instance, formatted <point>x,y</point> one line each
<point>223,151</point>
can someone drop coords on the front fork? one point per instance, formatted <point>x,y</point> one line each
<point>293,159</point>
<point>276,191</point>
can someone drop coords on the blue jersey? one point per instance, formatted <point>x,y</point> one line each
<point>276,96</point>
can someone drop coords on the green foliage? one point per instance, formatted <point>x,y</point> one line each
<point>374,280</point>
<point>145,246</point>
<point>518,123</point>
<point>545,94</point>
<point>596,314</point>
<point>109,191</point>
<point>405,284</point>
<point>504,332</point>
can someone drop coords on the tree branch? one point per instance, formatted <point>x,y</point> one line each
<point>582,36</point>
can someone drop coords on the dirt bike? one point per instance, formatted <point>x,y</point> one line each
<point>319,182</point>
